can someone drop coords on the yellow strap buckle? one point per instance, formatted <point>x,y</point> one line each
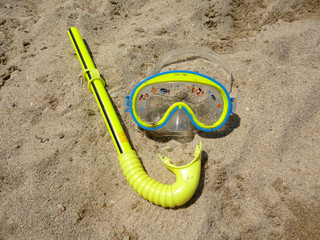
<point>95,75</point>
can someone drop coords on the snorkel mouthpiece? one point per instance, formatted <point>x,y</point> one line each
<point>177,194</point>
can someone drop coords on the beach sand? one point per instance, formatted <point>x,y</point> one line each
<point>59,173</point>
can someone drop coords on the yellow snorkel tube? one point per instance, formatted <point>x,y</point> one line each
<point>187,177</point>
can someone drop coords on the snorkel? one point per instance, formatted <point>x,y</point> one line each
<point>187,177</point>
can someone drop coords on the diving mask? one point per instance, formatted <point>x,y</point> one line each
<point>174,102</point>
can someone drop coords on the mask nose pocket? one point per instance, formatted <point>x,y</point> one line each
<point>179,122</point>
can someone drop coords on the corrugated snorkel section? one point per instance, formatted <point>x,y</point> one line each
<point>187,179</point>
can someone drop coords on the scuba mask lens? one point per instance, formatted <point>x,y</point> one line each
<point>205,101</point>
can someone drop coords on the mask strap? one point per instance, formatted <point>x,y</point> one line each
<point>203,53</point>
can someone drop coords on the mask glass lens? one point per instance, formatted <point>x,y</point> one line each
<point>153,101</point>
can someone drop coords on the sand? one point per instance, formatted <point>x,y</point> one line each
<point>59,173</point>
